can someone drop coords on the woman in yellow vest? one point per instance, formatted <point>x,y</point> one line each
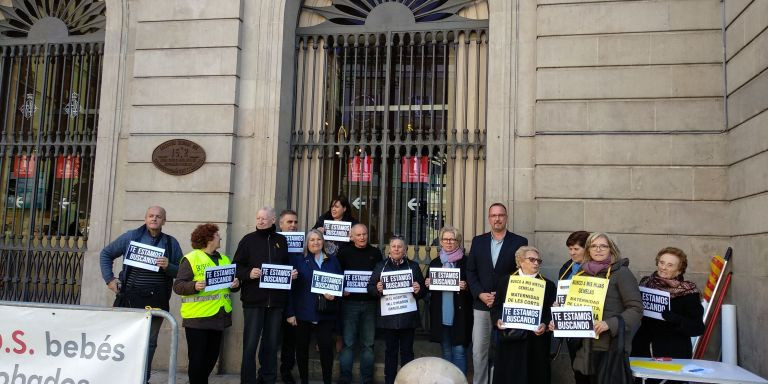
<point>204,314</point>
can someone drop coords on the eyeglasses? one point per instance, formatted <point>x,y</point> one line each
<point>449,240</point>
<point>498,216</point>
<point>534,260</point>
<point>599,247</point>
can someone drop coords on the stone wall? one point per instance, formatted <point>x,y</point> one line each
<point>747,156</point>
<point>628,128</point>
<point>602,116</point>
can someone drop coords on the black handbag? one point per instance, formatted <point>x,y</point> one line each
<point>614,367</point>
<point>510,335</point>
<point>327,307</point>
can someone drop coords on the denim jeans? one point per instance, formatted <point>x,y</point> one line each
<point>453,353</point>
<point>154,332</point>
<point>399,343</point>
<point>359,327</point>
<point>260,323</point>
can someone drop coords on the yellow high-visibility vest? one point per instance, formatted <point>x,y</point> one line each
<point>204,304</point>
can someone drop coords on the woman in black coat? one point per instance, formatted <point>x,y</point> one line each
<point>338,210</point>
<point>522,357</point>
<point>450,313</point>
<point>398,329</point>
<point>671,337</point>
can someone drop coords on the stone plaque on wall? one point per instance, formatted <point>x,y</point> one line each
<point>178,157</point>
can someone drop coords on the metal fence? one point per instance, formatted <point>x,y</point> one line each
<point>396,122</point>
<point>50,80</point>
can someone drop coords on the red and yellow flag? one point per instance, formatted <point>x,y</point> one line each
<point>715,269</point>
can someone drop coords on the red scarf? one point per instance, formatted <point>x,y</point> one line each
<point>676,287</point>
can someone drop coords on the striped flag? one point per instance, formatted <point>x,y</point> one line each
<point>715,268</point>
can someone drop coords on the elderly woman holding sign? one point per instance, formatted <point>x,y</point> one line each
<point>621,298</point>
<point>521,312</point>
<point>312,312</point>
<point>398,283</point>
<point>205,312</point>
<point>670,335</point>
<point>450,306</point>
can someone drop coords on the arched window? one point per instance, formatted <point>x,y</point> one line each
<point>390,111</point>
<point>50,77</point>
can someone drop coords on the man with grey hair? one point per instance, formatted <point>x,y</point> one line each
<point>262,307</point>
<point>138,287</point>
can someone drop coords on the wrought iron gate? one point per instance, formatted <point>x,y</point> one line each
<point>50,72</point>
<point>391,112</point>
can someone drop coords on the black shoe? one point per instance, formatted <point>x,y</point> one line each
<point>288,379</point>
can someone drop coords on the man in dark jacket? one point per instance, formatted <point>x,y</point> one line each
<point>492,255</point>
<point>138,287</point>
<point>262,307</point>
<point>358,310</point>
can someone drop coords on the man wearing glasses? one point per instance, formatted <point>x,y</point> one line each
<point>492,255</point>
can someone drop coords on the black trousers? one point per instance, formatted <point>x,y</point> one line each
<point>203,347</point>
<point>399,342</point>
<point>323,331</point>
<point>288,350</point>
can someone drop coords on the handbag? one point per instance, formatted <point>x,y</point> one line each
<point>325,306</point>
<point>614,368</point>
<point>510,335</point>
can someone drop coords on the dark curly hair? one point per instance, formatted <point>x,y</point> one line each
<point>203,234</point>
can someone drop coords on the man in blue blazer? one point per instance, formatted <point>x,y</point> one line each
<point>492,255</point>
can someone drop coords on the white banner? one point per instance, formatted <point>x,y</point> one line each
<point>77,346</point>
<point>356,281</point>
<point>143,256</point>
<point>655,302</point>
<point>295,241</point>
<point>396,304</point>
<point>336,230</point>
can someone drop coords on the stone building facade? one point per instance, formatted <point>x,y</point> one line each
<point>646,119</point>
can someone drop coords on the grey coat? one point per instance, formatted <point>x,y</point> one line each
<point>623,298</point>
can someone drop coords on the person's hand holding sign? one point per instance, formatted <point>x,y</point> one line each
<point>541,329</point>
<point>600,327</point>
<point>427,281</point>
<point>162,262</point>
<point>199,285</point>
<point>329,297</point>
<point>294,274</point>
<point>499,324</point>
<point>416,288</point>
<point>235,283</point>
<point>256,273</point>
<point>462,285</point>
<point>380,287</point>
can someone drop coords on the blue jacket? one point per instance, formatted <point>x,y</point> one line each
<point>303,303</point>
<point>118,247</point>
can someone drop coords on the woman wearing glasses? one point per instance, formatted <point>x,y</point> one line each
<point>523,356</point>
<point>603,260</point>
<point>450,312</point>
<point>400,323</point>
